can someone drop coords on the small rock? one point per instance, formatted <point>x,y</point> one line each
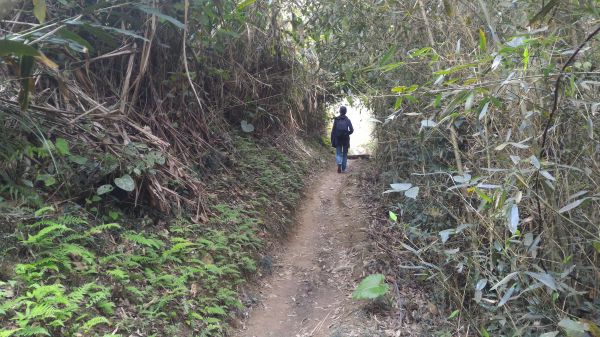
<point>432,308</point>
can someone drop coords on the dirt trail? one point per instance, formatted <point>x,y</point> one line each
<point>314,276</point>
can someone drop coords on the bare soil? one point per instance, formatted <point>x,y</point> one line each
<point>313,277</point>
<point>309,291</point>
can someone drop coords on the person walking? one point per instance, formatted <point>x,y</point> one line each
<point>340,139</point>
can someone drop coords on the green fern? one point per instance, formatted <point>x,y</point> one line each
<point>79,294</point>
<point>43,291</point>
<point>68,249</point>
<point>31,272</point>
<point>98,297</point>
<point>144,241</point>
<point>32,331</point>
<point>102,228</point>
<point>46,234</point>
<point>70,220</point>
<point>8,305</point>
<point>39,312</point>
<point>106,307</point>
<point>135,292</point>
<point>118,274</point>
<point>179,247</point>
<point>8,333</point>
<point>89,325</point>
<point>214,310</point>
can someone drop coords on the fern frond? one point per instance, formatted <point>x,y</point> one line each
<point>32,331</point>
<point>144,241</point>
<point>45,232</point>
<point>78,294</point>
<point>66,249</point>
<point>178,247</point>
<point>118,274</point>
<point>42,291</point>
<point>71,220</point>
<point>9,305</point>
<point>89,325</point>
<point>214,310</point>
<point>74,237</point>
<point>43,222</point>
<point>97,297</point>
<point>106,307</point>
<point>8,333</point>
<point>102,228</point>
<point>40,312</point>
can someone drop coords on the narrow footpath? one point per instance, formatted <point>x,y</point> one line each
<point>309,292</point>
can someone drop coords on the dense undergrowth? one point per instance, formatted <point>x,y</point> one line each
<point>120,126</point>
<point>149,151</point>
<point>487,152</point>
<point>67,272</point>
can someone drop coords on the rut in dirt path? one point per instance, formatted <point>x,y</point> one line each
<point>313,277</point>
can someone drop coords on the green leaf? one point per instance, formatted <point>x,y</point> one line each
<point>120,31</point>
<point>596,245</point>
<point>386,57</point>
<point>159,14</point>
<point>422,51</point>
<point>75,41</point>
<point>214,310</point>
<point>89,325</point>
<point>78,159</point>
<point>62,146</point>
<point>245,4</point>
<point>398,103</point>
<point>43,211</point>
<point>99,34</point>
<point>437,101</point>
<point>545,10</point>
<point>10,47</point>
<point>572,328</point>
<point>402,89</point>
<point>483,196</point>
<point>525,58</point>
<point>48,179</point>
<point>455,69</point>
<point>482,41</point>
<point>372,287</point>
<point>393,216</point>
<point>26,67</point>
<point>39,10</point>
<point>454,314</point>
<point>391,66</point>
<point>8,333</point>
<point>114,215</point>
<point>125,183</point>
<point>104,189</point>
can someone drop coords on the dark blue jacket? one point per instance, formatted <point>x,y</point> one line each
<point>341,138</point>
